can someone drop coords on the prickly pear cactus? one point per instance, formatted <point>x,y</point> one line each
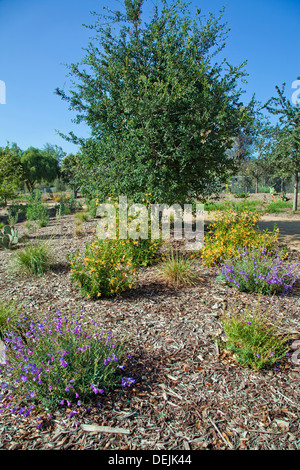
<point>8,237</point>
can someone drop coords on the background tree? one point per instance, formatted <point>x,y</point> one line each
<point>162,113</point>
<point>69,172</point>
<point>55,151</point>
<point>38,165</point>
<point>9,172</point>
<point>286,154</point>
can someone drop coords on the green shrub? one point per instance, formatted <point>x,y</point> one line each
<point>36,210</point>
<point>253,338</point>
<point>105,269</point>
<point>81,217</point>
<point>241,195</point>
<point>92,207</point>
<point>278,206</point>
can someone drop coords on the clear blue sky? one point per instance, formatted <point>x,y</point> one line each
<point>37,37</point>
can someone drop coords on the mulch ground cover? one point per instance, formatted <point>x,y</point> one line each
<point>189,394</point>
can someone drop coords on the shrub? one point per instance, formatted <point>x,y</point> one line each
<point>81,217</point>
<point>36,210</point>
<point>178,269</point>
<point>35,258</point>
<point>59,361</point>
<point>143,252</point>
<point>241,195</point>
<point>233,230</point>
<point>92,207</point>
<point>105,269</point>
<point>253,339</point>
<point>255,271</point>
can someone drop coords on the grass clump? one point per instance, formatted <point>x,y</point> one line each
<point>253,338</point>
<point>81,217</point>
<point>9,317</point>
<point>177,269</point>
<point>34,259</point>
<point>278,206</point>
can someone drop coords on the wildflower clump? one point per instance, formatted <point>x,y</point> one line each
<point>105,269</point>
<point>109,264</point>
<point>253,338</point>
<point>233,230</point>
<point>255,271</point>
<point>60,361</point>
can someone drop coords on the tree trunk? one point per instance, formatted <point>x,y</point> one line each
<point>256,186</point>
<point>296,180</point>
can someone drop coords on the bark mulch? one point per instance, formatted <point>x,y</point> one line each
<point>189,394</point>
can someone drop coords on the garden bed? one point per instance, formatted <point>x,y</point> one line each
<point>189,394</point>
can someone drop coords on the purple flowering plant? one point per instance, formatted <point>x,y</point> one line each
<point>254,270</point>
<point>61,361</point>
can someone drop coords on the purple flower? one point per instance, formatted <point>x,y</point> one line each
<point>96,390</point>
<point>126,382</point>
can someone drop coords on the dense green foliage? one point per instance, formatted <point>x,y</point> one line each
<point>162,113</point>
<point>286,151</point>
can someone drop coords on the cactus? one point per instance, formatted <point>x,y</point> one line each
<point>8,237</point>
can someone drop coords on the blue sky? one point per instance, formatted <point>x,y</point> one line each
<point>38,37</point>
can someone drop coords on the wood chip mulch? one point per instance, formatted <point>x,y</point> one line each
<point>189,394</point>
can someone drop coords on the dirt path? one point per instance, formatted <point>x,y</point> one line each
<point>288,225</point>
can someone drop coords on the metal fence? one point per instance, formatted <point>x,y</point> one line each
<point>267,184</point>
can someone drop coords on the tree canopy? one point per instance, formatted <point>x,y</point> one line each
<point>28,167</point>
<point>37,165</point>
<point>163,113</point>
<point>286,155</point>
<point>10,171</point>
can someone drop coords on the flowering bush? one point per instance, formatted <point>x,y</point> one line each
<point>252,338</point>
<point>105,269</point>
<point>59,361</point>
<point>232,230</point>
<point>255,271</point>
<point>108,266</point>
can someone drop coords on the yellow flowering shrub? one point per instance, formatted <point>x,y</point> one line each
<point>232,230</point>
<point>104,269</point>
<point>108,265</point>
